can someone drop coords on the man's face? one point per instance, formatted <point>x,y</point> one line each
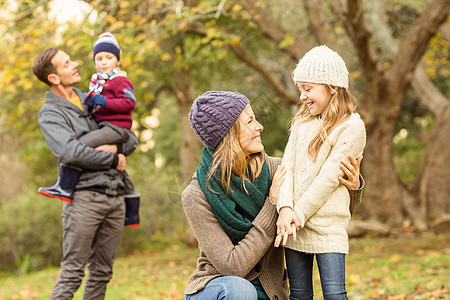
<point>66,70</point>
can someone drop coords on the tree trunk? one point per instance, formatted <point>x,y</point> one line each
<point>383,192</point>
<point>189,144</point>
<point>433,181</point>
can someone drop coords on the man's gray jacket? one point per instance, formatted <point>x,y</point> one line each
<point>62,123</point>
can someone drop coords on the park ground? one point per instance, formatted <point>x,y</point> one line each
<point>405,265</point>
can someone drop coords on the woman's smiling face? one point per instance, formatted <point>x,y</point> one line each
<point>249,135</point>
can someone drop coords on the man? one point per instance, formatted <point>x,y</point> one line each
<point>93,221</point>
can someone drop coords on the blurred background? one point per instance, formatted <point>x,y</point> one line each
<point>397,53</point>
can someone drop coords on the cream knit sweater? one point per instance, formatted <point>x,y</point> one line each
<point>312,188</point>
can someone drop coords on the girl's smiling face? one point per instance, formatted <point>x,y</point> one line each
<point>249,135</point>
<point>315,96</point>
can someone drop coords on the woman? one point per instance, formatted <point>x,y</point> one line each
<point>228,203</point>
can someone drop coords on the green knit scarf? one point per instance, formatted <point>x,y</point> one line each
<point>236,211</point>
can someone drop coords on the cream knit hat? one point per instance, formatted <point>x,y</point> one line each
<point>322,65</point>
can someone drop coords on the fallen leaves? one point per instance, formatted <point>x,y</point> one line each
<point>406,267</point>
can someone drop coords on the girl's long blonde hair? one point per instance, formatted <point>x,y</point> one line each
<point>338,109</point>
<point>230,158</point>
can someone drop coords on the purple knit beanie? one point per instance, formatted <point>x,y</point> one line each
<point>214,113</point>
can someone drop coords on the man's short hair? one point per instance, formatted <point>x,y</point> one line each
<point>42,64</point>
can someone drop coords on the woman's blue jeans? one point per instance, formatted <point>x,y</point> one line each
<point>226,287</point>
<point>331,270</point>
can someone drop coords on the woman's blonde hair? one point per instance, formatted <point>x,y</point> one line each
<point>338,109</point>
<point>229,158</point>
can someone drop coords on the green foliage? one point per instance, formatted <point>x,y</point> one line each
<point>437,64</point>
<point>30,232</point>
<point>274,116</point>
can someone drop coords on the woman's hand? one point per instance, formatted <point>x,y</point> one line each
<point>352,172</point>
<point>287,224</point>
<point>277,180</point>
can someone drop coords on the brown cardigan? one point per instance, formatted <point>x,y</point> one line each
<point>254,256</point>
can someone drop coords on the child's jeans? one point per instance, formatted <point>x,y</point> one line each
<point>331,270</point>
<point>226,287</point>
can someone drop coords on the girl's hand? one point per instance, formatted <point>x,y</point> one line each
<point>287,224</point>
<point>352,172</point>
<point>277,180</point>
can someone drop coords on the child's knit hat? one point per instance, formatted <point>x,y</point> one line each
<point>322,65</point>
<point>214,113</point>
<point>107,42</point>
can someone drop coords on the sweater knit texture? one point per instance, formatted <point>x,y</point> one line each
<point>322,65</point>
<point>313,190</point>
<point>252,257</point>
<point>237,210</point>
<point>214,113</point>
<point>120,102</point>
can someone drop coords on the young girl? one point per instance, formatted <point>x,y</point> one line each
<point>313,206</point>
<point>112,101</point>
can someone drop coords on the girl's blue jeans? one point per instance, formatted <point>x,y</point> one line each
<point>331,270</point>
<point>226,287</point>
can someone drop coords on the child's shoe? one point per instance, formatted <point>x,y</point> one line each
<point>132,210</point>
<point>64,187</point>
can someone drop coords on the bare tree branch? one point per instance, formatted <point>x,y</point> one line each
<point>361,39</point>
<point>445,29</point>
<point>342,15</point>
<point>319,24</point>
<point>412,48</point>
<point>240,53</point>
<point>273,30</point>
<point>427,92</point>
<point>274,83</point>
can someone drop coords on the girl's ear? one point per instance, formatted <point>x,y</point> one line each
<point>333,89</point>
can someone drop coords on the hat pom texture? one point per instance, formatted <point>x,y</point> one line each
<point>214,113</point>
<point>107,42</point>
<point>322,65</point>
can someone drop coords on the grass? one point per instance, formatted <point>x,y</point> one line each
<point>402,266</point>
<point>405,266</point>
